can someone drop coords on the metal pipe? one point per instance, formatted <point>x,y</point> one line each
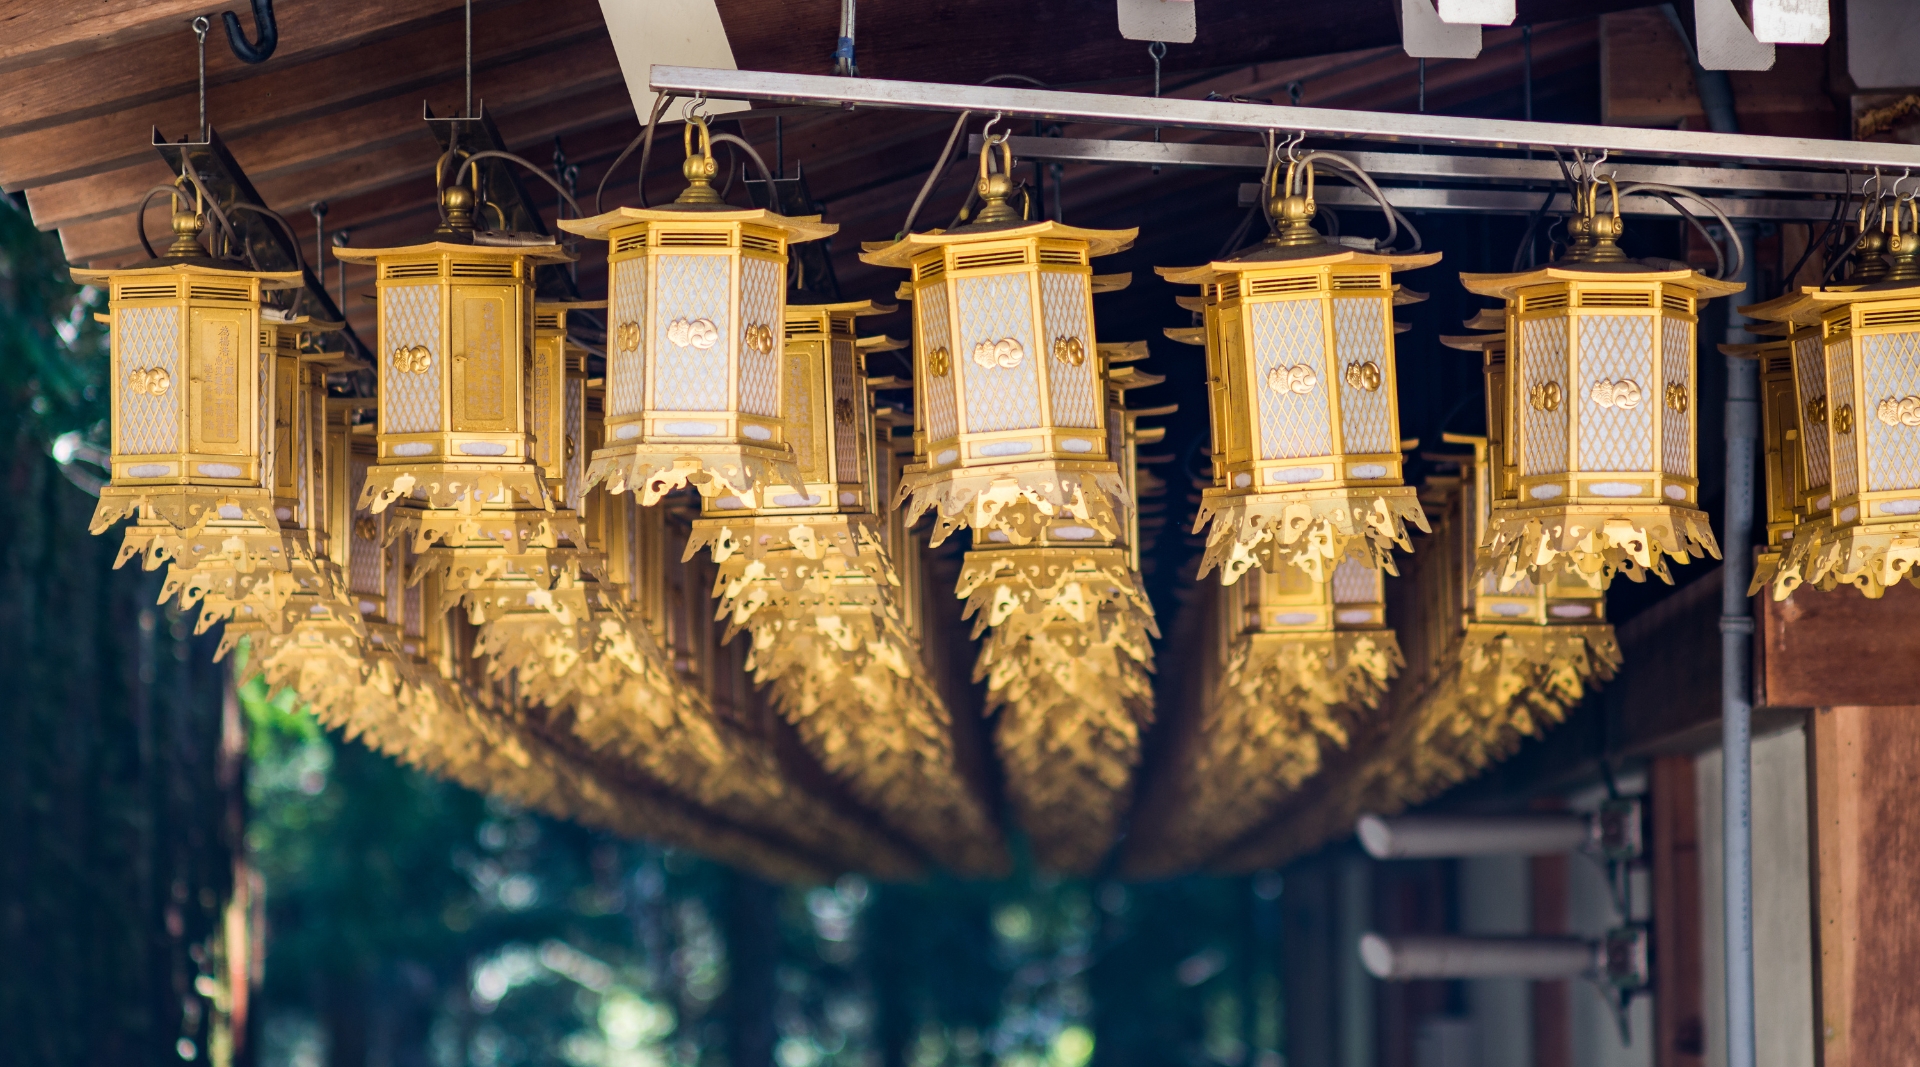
<point>1408,958</point>
<point>1442,836</point>
<point>1736,700</point>
<point>1024,102</point>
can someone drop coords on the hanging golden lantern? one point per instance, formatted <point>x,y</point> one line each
<point>456,317</point>
<point>1068,658</point>
<point>557,401</point>
<point>1781,436</point>
<point>1300,363</point>
<point>192,394</point>
<point>1862,429</point>
<point>1602,412</point>
<point>697,294</point>
<point>1012,422</point>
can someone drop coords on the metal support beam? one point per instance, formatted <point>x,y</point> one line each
<point>1516,202</point>
<point>1413,166</point>
<point>1330,122</point>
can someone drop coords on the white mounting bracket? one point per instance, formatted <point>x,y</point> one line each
<point>1425,36</point>
<point>1171,21</point>
<point>1477,12</point>
<point>1724,42</point>
<point>1791,21</point>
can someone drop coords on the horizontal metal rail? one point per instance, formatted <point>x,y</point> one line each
<point>1517,202</point>
<point>1225,115</point>
<point>1414,166</point>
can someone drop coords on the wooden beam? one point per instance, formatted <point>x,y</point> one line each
<point>1822,649</point>
<point>591,92</point>
<point>397,66</point>
<point>35,33</point>
<point>128,75</point>
<point>1865,765</point>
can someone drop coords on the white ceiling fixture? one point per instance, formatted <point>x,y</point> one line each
<point>1426,37</point>
<point>1883,43</point>
<point>1171,21</point>
<point>1724,42</point>
<point>1790,21</point>
<point>646,32</point>
<point>1477,12</point>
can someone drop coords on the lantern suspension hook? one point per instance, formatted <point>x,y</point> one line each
<point>200,28</point>
<point>253,51</point>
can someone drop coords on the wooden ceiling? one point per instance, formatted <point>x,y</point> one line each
<point>334,116</point>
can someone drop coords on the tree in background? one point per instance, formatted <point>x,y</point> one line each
<point>119,762</point>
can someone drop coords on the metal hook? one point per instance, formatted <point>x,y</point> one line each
<point>200,27</point>
<point>1904,175</point>
<point>1292,146</point>
<point>986,132</point>
<point>692,108</point>
<point>252,51</point>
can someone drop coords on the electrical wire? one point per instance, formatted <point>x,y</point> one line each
<point>939,167</point>
<point>1726,224</point>
<point>645,135</point>
<point>529,165</point>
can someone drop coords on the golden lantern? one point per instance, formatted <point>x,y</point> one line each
<point>1861,425</point>
<point>1782,436</point>
<point>1602,413</point>
<point>456,317</point>
<point>697,294</point>
<point>808,573</point>
<point>1300,362</point>
<point>1068,654</point>
<point>1007,390</point>
<point>192,395</point>
<point>557,401</point>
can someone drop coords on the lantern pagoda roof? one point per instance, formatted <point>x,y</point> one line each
<point>1267,255</point>
<point>854,307</point>
<point>1488,319</point>
<point>1472,342</point>
<point>1806,307</point>
<point>1506,286</point>
<point>173,266</point>
<point>900,253</point>
<point>798,228</point>
<point>542,252</point>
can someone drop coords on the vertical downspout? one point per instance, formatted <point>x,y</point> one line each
<point>1736,618</point>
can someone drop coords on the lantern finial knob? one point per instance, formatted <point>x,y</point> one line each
<point>700,167</point>
<point>187,224</point>
<point>456,209</point>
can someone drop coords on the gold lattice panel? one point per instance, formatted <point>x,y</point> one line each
<point>762,303</point>
<point>1846,473</point>
<point>1676,427</point>
<point>993,308</point>
<point>1356,583</point>
<point>1360,337</point>
<point>803,414</point>
<point>1286,334</point>
<point>1614,349</point>
<point>574,443</point>
<point>410,317</point>
<point>149,339</point>
<point>1543,364</point>
<point>365,556</point>
<point>936,332</point>
<point>1063,309</point>
<point>846,428</point>
<point>687,378</point>
<point>1810,382</point>
<point>1891,366</point>
<point>627,367</point>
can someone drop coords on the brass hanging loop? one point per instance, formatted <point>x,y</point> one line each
<point>700,167</point>
<point>1291,211</point>
<point>996,188</point>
